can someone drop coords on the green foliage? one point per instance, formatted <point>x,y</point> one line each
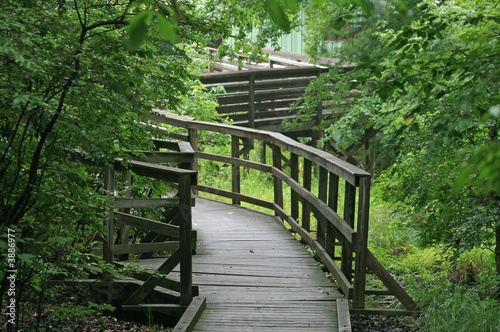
<point>82,77</point>
<point>424,82</point>
<point>79,313</point>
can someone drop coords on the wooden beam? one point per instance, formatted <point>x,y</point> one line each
<point>343,316</point>
<point>148,224</point>
<point>153,281</point>
<point>191,315</point>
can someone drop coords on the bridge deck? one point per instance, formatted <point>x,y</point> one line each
<point>255,275</point>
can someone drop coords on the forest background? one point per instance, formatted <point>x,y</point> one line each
<point>84,74</point>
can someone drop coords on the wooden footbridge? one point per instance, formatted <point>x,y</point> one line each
<point>251,271</point>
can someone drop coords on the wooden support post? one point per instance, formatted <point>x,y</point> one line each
<point>278,185</point>
<point>262,152</point>
<point>193,140</point>
<point>251,102</point>
<point>235,174</point>
<point>358,301</point>
<point>307,184</point>
<point>294,172</point>
<point>333,200</point>
<point>109,186</point>
<point>125,229</point>
<point>322,195</point>
<point>185,233</point>
<point>349,206</point>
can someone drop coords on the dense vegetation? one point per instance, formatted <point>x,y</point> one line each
<point>425,83</point>
<point>83,75</point>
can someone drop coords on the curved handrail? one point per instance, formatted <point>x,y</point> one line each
<point>347,234</point>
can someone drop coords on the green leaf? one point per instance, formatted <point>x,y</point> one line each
<point>166,29</point>
<point>138,28</point>
<point>365,5</point>
<point>292,5</point>
<point>428,90</point>
<point>278,15</point>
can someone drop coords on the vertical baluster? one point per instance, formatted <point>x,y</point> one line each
<point>333,200</point>
<point>307,182</point>
<point>322,195</point>
<point>193,140</point>
<point>278,185</point>
<point>349,206</point>
<point>235,174</point>
<point>251,102</point>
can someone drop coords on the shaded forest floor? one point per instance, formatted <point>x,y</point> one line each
<point>69,310</point>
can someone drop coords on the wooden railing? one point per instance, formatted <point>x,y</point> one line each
<point>340,242</point>
<point>173,234</point>
<point>262,98</point>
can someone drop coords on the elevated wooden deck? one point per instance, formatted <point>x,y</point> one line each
<point>256,276</point>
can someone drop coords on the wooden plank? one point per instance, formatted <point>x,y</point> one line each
<point>148,224</point>
<point>241,197</point>
<point>385,312</point>
<point>170,174</point>
<point>190,317</point>
<point>234,161</point>
<point>260,74</point>
<point>123,203</point>
<point>155,279</point>
<point>344,320</point>
<point>136,248</point>
<point>170,309</point>
<point>161,156</point>
<point>396,289</point>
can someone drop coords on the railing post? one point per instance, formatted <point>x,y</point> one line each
<point>185,246</point>
<point>278,185</point>
<point>307,184</point>
<point>193,140</point>
<point>322,195</point>
<point>333,201</point>
<point>294,172</point>
<point>235,173</point>
<point>109,186</point>
<point>358,301</point>
<point>124,229</point>
<point>251,102</point>
<point>349,207</point>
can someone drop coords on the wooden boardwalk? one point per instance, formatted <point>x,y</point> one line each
<point>255,275</point>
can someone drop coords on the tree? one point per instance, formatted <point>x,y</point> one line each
<point>426,82</point>
<point>83,75</point>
